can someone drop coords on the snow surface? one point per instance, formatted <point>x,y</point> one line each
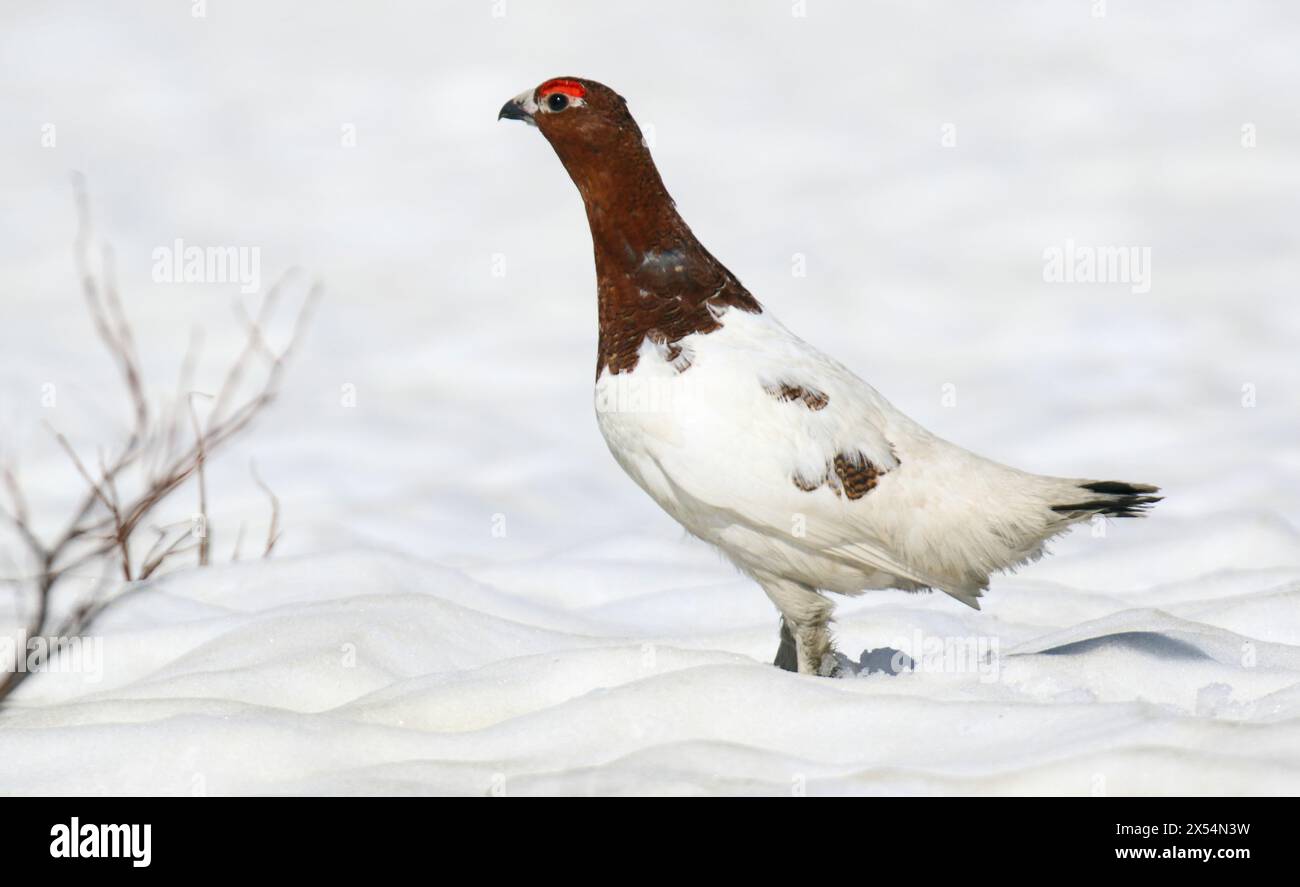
<point>470,597</point>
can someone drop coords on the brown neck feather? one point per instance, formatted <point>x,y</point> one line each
<point>654,279</point>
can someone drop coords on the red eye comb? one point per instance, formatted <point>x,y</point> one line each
<point>569,87</point>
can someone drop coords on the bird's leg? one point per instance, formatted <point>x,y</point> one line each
<point>787,656</point>
<point>816,650</point>
<point>805,618</point>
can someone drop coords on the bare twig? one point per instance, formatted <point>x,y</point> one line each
<point>239,543</point>
<point>120,535</point>
<point>104,525</point>
<point>151,565</point>
<point>171,423</point>
<point>200,458</point>
<point>273,532</point>
<point>19,517</point>
<point>254,338</point>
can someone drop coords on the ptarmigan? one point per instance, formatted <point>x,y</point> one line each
<point>755,441</point>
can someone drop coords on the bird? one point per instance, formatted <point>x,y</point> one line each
<point>803,475</point>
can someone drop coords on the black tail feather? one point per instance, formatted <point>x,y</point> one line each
<point>1118,488</point>
<point>1123,500</point>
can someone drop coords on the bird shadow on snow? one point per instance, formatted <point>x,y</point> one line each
<point>1149,642</point>
<point>1157,635</point>
<point>882,660</point>
<point>890,661</point>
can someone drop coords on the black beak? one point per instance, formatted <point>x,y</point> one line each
<point>512,110</point>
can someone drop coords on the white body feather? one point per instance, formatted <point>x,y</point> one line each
<point>701,432</point>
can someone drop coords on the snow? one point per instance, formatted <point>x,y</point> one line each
<point>470,597</point>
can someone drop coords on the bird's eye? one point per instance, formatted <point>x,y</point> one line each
<point>557,101</point>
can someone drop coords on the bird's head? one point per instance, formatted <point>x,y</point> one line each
<point>653,276</point>
<point>568,107</point>
<point>587,124</point>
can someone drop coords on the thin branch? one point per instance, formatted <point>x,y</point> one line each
<point>110,323</point>
<point>273,532</point>
<point>200,459</point>
<point>254,336</point>
<point>121,535</point>
<point>19,518</point>
<point>239,543</point>
<point>151,566</point>
<point>159,538</point>
<point>128,356</point>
